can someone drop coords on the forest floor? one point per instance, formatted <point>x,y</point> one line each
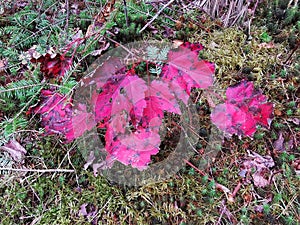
<point>251,180</point>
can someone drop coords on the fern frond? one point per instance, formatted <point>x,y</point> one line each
<point>159,54</point>
<point>163,53</point>
<point>152,52</point>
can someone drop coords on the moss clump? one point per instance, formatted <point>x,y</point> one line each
<point>233,54</point>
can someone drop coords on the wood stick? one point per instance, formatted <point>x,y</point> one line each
<point>156,15</point>
<point>38,171</point>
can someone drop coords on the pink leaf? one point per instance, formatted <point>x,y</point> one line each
<point>81,121</point>
<point>102,74</point>
<point>163,97</point>
<point>123,100</point>
<point>56,112</point>
<point>120,93</point>
<point>263,114</point>
<point>131,111</point>
<point>58,117</point>
<point>159,99</point>
<point>231,119</point>
<point>243,109</point>
<point>152,114</point>
<point>186,70</point>
<point>194,47</point>
<point>126,99</point>
<point>240,92</point>
<point>135,148</point>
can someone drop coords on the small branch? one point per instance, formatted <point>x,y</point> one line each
<point>19,88</point>
<point>67,16</point>
<point>256,4</point>
<point>119,44</point>
<point>250,20</point>
<point>221,187</point>
<point>226,21</point>
<point>293,51</point>
<point>126,14</point>
<point>156,15</point>
<point>39,171</point>
<point>222,212</point>
<point>290,3</point>
<point>236,189</point>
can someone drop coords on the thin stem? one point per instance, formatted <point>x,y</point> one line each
<point>293,51</point>
<point>39,171</point>
<point>156,15</point>
<point>126,14</point>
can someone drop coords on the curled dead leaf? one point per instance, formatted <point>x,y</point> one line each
<point>261,165</point>
<point>15,149</point>
<point>278,144</point>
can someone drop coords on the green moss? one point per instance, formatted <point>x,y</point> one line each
<point>230,50</point>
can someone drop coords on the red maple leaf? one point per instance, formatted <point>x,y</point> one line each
<point>186,71</point>
<point>58,117</point>
<point>159,98</point>
<point>53,66</point>
<point>244,108</point>
<point>133,148</point>
<point>120,94</point>
<point>232,120</point>
<point>103,74</point>
<point>82,121</point>
<point>132,102</point>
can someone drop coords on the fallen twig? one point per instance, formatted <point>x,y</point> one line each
<point>236,189</point>
<point>156,15</point>
<point>293,51</point>
<point>126,14</point>
<point>221,187</point>
<point>39,171</point>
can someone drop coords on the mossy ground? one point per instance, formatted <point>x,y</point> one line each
<point>188,197</point>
